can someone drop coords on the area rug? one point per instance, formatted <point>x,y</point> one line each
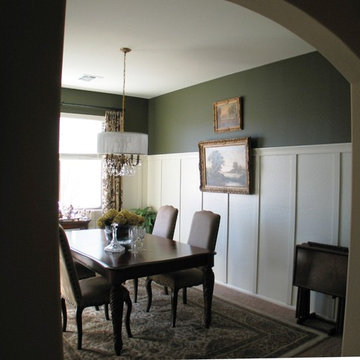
<point>235,332</point>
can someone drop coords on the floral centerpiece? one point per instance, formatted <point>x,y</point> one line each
<point>106,219</point>
<point>124,219</point>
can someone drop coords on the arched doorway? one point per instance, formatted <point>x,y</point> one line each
<point>332,33</point>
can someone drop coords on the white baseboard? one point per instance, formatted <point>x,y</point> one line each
<point>246,292</point>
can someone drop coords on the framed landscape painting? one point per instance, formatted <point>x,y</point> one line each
<point>228,115</point>
<point>224,166</point>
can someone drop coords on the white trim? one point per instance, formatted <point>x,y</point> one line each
<point>175,155</point>
<point>227,239</point>
<point>255,283</point>
<point>80,156</point>
<point>303,149</point>
<point>82,116</point>
<point>280,150</point>
<point>246,292</point>
<point>335,238</point>
<point>292,230</point>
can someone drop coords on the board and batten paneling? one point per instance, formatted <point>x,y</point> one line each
<point>302,193</point>
<point>322,214</point>
<point>153,182</point>
<point>133,195</point>
<point>191,197</point>
<point>170,186</point>
<point>243,241</point>
<point>276,225</point>
<point>218,203</point>
<point>318,198</point>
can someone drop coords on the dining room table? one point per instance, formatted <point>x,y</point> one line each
<point>157,255</point>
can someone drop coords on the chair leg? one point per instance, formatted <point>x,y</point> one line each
<point>184,295</point>
<point>136,284</point>
<point>149,293</point>
<point>79,311</point>
<point>174,297</point>
<point>128,313</point>
<point>106,307</point>
<point>64,313</point>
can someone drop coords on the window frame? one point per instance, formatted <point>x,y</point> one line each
<point>75,156</point>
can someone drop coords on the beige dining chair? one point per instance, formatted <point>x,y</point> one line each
<point>83,272</point>
<point>203,233</point>
<point>92,291</point>
<point>164,226</point>
<point>165,222</point>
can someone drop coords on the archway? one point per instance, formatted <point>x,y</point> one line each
<point>332,33</point>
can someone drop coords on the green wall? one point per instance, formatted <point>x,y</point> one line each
<point>136,113</point>
<point>299,101</point>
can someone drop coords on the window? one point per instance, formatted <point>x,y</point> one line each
<point>80,166</point>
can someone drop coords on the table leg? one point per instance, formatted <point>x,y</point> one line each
<point>117,296</point>
<point>208,289</point>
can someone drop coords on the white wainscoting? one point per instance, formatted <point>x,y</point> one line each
<point>301,194</point>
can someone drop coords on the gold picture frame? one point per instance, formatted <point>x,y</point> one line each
<point>228,115</point>
<point>224,165</point>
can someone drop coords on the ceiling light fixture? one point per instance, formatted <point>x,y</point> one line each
<point>123,148</point>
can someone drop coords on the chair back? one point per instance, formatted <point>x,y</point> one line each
<point>165,222</point>
<point>204,229</point>
<point>69,281</point>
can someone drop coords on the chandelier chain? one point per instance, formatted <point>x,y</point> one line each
<point>122,122</point>
<point>123,164</point>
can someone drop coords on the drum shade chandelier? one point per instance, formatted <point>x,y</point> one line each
<point>122,149</point>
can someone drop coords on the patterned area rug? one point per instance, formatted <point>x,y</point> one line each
<point>235,332</point>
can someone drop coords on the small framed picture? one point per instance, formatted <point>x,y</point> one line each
<point>224,166</point>
<point>228,115</point>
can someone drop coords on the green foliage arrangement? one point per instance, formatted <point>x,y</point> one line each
<point>149,214</point>
<point>123,217</point>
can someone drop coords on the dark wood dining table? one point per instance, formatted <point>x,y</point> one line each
<point>159,255</point>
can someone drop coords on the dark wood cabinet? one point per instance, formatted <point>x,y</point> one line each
<point>322,268</point>
<point>74,224</point>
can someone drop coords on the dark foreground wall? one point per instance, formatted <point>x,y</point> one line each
<point>31,43</point>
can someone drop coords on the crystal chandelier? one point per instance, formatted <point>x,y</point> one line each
<point>122,149</point>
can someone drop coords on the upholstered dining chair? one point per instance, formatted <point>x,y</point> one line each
<point>203,233</point>
<point>83,272</point>
<point>165,222</point>
<point>92,291</point>
<point>164,226</point>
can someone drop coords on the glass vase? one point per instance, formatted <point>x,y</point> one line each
<point>115,245</point>
<point>123,234</point>
<point>108,232</point>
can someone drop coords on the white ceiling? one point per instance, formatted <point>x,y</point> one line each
<point>175,43</point>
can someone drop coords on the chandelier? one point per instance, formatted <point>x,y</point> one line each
<point>122,149</point>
